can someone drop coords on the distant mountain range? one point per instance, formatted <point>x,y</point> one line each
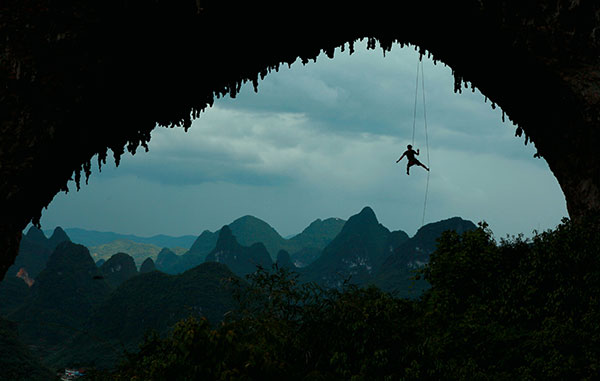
<point>249,230</point>
<point>91,238</point>
<point>71,310</point>
<point>139,251</point>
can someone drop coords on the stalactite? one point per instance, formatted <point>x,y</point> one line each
<point>117,152</point>
<point>87,165</point>
<point>78,177</point>
<point>457,82</point>
<point>371,43</point>
<point>255,84</point>
<point>519,131</point>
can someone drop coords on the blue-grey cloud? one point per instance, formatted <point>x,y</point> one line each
<point>321,140</point>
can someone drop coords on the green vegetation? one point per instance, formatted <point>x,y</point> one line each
<point>148,302</point>
<point>61,299</point>
<point>16,361</point>
<point>514,309</point>
<point>13,293</point>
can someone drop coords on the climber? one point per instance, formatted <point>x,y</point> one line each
<point>412,160</point>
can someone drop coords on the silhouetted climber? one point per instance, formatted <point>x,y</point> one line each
<point>412,160</point>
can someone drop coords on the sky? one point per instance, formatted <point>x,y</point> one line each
<point>321,140</point>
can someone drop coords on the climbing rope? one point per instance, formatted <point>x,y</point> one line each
<point>415,108</point>
<point>420,65</point>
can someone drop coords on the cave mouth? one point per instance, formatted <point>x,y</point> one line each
<point>315,129</point>
<point>82,78</point>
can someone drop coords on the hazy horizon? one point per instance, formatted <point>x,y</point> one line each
<point>51,229</point>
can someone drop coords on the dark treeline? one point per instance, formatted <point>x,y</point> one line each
<point>513,309</point>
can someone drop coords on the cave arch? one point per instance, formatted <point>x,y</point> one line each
<point>81,78</point>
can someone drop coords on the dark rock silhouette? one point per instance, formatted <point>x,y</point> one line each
<point>413,253</point>
<point>284,260</point>
<point>242,260</point>
<point>314,238</point>
<point>119,268</point>
<point>166,259</point>
<point>304,248</point>
<point>35,249</point>
<point>147,266</point>
<point>57,237</point>
<point>172,263</point>
<point>37,236</point>
<point>356,253</point>
<point>247,230</point>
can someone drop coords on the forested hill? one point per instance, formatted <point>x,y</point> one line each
<point>151,301</point>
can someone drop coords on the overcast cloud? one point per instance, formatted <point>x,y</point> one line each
<point>321,141</point>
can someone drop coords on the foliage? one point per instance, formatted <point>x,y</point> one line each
<point>16,361</point>
<point>153,301</point>
<point>287,330</point>
<point>518,309</point>
<point>514,309</point>
<point>63,296</point>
